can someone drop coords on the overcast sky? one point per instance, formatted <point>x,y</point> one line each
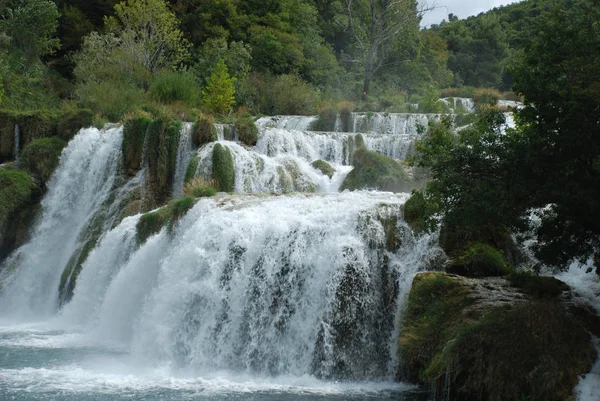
<point>461,8</point>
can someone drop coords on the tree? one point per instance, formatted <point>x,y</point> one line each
<point>377,26</point>
<point>219,94</point>
<point>559,129</point>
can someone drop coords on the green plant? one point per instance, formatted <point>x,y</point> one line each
<point>323,167</point>
<point>418,212</point>
<point>223,168</point>
<point>205,131</point>
<point>487,97</point>
<point>40,157</point>
<point>375,171</point>
<point>246,129</point>
<point>479,260</point>
<point>134,135</point>
<point>538,286</point>
<point>326,119</point>
<point>170,86</point>
<point>16,190</point>
<point>219,93</point>
<point>200,188</point>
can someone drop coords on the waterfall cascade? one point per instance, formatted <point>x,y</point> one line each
<point>184,154</point>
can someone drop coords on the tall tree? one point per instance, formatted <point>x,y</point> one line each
<point>377,27</point>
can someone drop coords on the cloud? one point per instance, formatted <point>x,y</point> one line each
<point>461,8</point>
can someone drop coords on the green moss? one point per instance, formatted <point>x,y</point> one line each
<point>205,130</point>
<point>531,349</point>
<point>479,260</point>
<point>374,171</point>
<point>203,192</point>
<point>152,222</point>
<point>323,167</point>
<point>190,171</point>
<point>16,191</point>
<point>326,119</point>
<point>246,129</point>
<point>418,212</point>
<point>72,119</point>
<point>538,286</point>
<point>359,141</point>
<point>223,168</point>
<point>41,156</point>
<point>134,134</point>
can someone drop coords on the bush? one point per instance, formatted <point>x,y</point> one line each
<point>283,94</point>
<point>112,100</point>
<point>375,171</point>
<point>205,130</point>
<point>41,156</point>
<point>487,97</point>
<point>219,93</point>
<point>345,109</point>
<point>325,120</point>
<point>223,168</point>
<point>200,188</point>
<point>246,129</point>
<point>323,167</point>
<point>359,141</point>
<point>175,86</point>
<point>16,190</point>
<point>418,212</point>
<point>465,92</point>
<point>479,260</point>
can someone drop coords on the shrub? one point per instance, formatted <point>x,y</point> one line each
<point>323,167</point>
<point>16,190</point>
<point>418,212</point>
<point>479,260</point>
<point>205,130</point>
<point>488,97</point>
<point>112,100</point>
<point>359,141</point>
<point>246,129</point>
<point>180,207</point>
<point>465,91</point>
<point>345,109</point>
<point>284,94</point>
<point>175,86</point>
<point>200,188</point>
<point>41,156</point>
<point>326,119</point>
<point>223,168</point>
<point>375,171</point>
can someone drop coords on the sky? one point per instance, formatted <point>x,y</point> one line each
<point>461,8</point>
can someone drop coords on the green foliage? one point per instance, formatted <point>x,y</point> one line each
<point>111,99</point>
<point>199,188</point>
<point>219,93</point>
<point>41,156</point>
<point>359,141</point>
<point>283,94</point>
<point>205,131</point>
<point>134,135</point>
<point>486,351</point>
<point>223,168</point>
<point>430,102</point>
<point>326,119</point>
<point>175,86</point>
<point>167,216</point>
<point>479,260</point>
<point>375,171</point>
<point>16,191</point>
<point>246,129</point>
<point>190,171</point>
<point>486,97</point>
<point>235,55</point>
<point>323,167</point>
<point>418,213</point>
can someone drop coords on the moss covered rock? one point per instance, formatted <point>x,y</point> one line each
<point>162,143</point>
<point>223,168</point>
<point>246,130</point>
<point>204,130</point>
<point>32,125</point>
<point>41,156</point>
<point>375,171</point>
<point>134,134</point>
<point>152,222</point>
<point>481,339</point>
<point>323,167</point>
<point>479,260</point>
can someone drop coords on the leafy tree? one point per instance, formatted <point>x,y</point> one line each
<point>559,139</point>
<point>377,26</point>
<point>219,94</point>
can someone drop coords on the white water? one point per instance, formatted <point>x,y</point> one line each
<point>226,132</point>
<point>184,154</point>
<point>256,172</point>
<point>391,123</point>
<point>459,104</point>
<point>300,123</point>
<point>77,190</point>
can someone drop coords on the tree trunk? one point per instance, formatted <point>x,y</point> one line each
<point>366,83</point>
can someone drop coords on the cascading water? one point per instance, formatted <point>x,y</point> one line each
<point>300,123</point>
<point>76,192</point>
<point>184,153</point>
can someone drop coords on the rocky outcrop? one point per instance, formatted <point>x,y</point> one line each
<point>494,338</point>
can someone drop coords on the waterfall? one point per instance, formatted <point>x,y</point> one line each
<point>300,123</point>
<point>17,141</point>
<point>226,132</point>
<point>76,192</point>
<point>256,172</point>
<point>265,285</point>
<point>391,123</point>
<point>184,154</point>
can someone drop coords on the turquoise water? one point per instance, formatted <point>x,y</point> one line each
<point>40,364</point>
